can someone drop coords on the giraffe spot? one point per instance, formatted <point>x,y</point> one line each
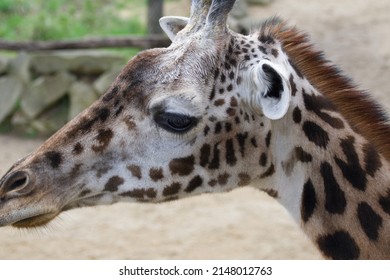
<point>293,85</point>
<point>151,193</point>
<point>113,183</point>
<point>231,112</point>
<point>55,158</point>
<point>233,62</point>
<point>221,90</point>
<point>275,53</point>
<point>254,142</point>
<point>182,166</point>
<point>233,102</point>
<point>230,49</point>
<point>335,202</point>
<point>195,183</point>
<point>269,172</point>
<point>231,75</point>
<point>372,160</point>
<point>214,164</point>
<point>103,138</point>
<point>172,189</point>
<point>223,78</point>
<point>244,179</point>
<point>263,50</point>
<point>77,149</point>
<point>140,193</point>
<point>230,87</point>
<point>263,160</point>
<point>216,74</point>
<point>228,127</point>
<point>212,183</point>
<point>339,246</point>
<point>268,139</point>
<point>135,171</point>
<point>266,39</point>
<point>369,220</point>
<point>384,201</point>
<point>318,103</point>
<point>230,153</point>
<point>218,128</point>
<point>76,170</point>
<point>84,125</point>
<point>239,80</point>
<point>241,138</point>
<point>302,156</point>
<point>316,134</point>
<point>212,118</point>
<point>219,102</point>
<point>309,201</point>
<point>206,130</point>
<point>102,114</point>
<point>156,174</point>
<point>110,94</point>
<point>223,179</point>
<point>205,154</point>
<point>246,117</point>
<point>131,125</point>
<point>351,169</point>
<point>297,115</point>
<point>212,93</point>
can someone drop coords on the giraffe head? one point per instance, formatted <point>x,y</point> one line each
<point>191,118</point>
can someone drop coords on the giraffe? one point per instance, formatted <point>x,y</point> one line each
<point>218,110</point>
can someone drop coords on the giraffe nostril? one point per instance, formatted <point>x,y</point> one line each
<point>15,182</point>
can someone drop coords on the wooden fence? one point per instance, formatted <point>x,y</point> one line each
<point>143,42</point>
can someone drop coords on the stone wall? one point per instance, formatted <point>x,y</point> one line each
<point>40,92</point>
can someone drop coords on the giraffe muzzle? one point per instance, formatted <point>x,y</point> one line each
<point>16,206</point>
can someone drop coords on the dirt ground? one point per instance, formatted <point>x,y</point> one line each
<point>243,224</point>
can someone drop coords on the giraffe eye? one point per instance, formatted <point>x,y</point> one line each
<point>176,123</point>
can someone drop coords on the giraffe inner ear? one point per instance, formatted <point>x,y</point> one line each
<point>275,93</point>
<point>172,25</point>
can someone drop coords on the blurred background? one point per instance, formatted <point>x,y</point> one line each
<point>41,88</point>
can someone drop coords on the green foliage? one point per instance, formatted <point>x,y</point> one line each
<point>67,19</point>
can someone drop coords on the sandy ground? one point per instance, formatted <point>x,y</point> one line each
<point>243,224</point>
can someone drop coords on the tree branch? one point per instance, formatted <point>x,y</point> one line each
<point>143,42</point>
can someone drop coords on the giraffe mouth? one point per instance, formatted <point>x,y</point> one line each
<point>35,221</point>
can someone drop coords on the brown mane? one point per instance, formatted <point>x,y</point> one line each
<point>363,113</point>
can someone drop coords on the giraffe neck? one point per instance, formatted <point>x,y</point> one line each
<point>332,181</point>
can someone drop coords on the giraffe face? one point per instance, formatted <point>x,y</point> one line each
<point>192,118</point>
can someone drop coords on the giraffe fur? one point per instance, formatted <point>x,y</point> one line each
<point>215,111</point>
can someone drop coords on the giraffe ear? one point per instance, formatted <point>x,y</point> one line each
<point>172,25</point>
<point>273,91</point>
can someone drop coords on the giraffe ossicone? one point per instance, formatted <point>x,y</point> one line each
<point>218,110</point>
